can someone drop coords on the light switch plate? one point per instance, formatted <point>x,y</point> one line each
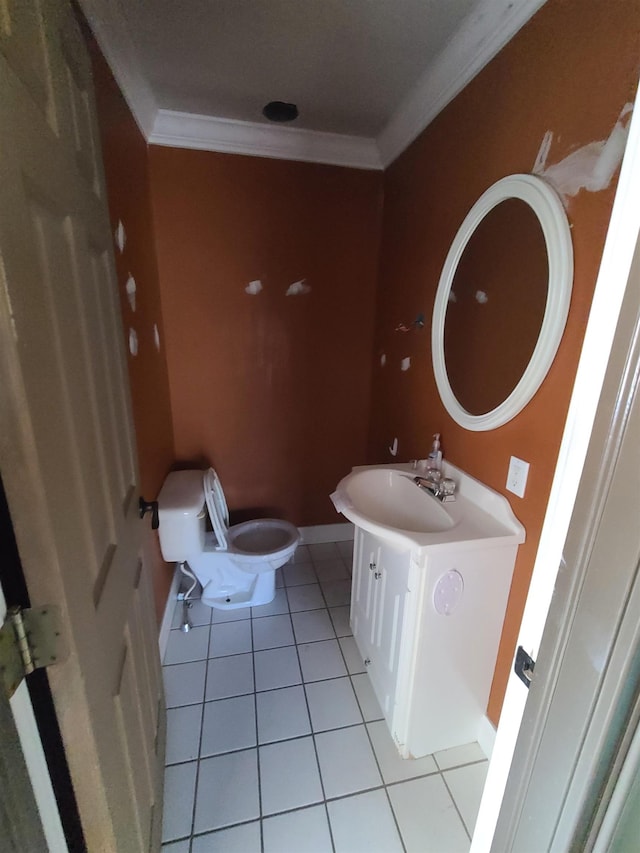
<point>517,476</point>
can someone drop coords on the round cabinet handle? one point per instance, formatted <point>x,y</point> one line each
<point>378,575</point>
<point>367,661</point>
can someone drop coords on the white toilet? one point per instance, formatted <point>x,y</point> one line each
<point>236,566</point>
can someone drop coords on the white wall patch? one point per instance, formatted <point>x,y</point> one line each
<point>120,236</point>
<point>405,364</point>
<point>253,288</point>
<point>156,336</point>
<point>383,360</point>
<point>393,450</point>
<point>130,287</point>
<point>298,288</point>
<point>590,167</point>
<point>133,342</point>
<point>481,297</point>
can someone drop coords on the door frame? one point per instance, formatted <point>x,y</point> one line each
<point>622,236</point>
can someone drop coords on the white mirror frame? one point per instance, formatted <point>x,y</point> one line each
<point>555,228</point>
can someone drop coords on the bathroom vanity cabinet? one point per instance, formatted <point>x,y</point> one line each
<point>427,623</point>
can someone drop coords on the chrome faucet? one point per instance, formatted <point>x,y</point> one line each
<point>444,490</point>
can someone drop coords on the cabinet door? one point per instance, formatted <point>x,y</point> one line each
<point>366,556</point>
<point>389,594</point>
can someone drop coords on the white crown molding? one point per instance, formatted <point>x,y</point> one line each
<point>111,30</point>
<point>187,130</point>
<point>482,34</point>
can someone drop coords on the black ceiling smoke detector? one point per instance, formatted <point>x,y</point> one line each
<point>279,111</point>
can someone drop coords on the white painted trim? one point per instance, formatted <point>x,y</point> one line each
<point>112,33</point>
<point>486,736</point>
<point>167,616</point>
<point>491,24</point>
<point>546,205</point>
<point>622,236</point>
<point>186,130</point>
<point>35,760</point>
<point>326,533</point>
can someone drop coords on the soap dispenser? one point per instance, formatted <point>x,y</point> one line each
<point>434,460</point>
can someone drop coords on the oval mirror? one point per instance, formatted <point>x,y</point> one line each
<point>502,302</point>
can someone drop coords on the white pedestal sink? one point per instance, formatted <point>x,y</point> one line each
<point>430,587</point>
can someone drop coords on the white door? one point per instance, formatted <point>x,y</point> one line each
<point>67,451</point>
<point>583,709</point>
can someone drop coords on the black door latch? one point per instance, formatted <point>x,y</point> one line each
<point>524,666</point>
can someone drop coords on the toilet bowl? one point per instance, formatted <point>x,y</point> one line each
<point>235,565</point>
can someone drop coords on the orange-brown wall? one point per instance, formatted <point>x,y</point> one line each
<point>124,152</point>
<point>570,70</point>
<point>272,390</point>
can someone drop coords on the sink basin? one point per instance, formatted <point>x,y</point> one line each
<point>391,498</point>
<point>384,500</point>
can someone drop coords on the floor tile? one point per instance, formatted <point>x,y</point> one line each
<point>301,555</point>
<point>392,766</point>
<point>227,790</point>
<point>352,655</point>
<point>306,597</point>
<point>187,647</point>
<point>230,676</point>
<point>274,608</point>
<point>312,625</point>
<point>466,785</point>
<point>323,551</point>
<point>282,714</point>
<point>269,632</point>
<point>279,580</point>
<point>340,619</point>
<point>183,733</point>
<point>346,761</point>
<point>237,839</point>
<point>176,846</point>
<point>426,815</point>
<point>218,616</point>
<point>277,668</point>
<point>303,831</point>
<point>179,789</point>
<point>300,573</point>
<point>332,704</point>
<point>184,683</point>
<point>369,705</point>
<point>228,724</point>
<point>199,613</point>
<point>331,570</point>
<point>336,593</point>
<point>364,822</point>
<point>230,638</point>
<point>289,775</point>
<point>457,755</point>
<point>321,660</point>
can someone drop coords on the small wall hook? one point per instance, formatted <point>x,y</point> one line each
<point>149,506</point>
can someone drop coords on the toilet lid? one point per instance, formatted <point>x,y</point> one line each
<point>217,507</point>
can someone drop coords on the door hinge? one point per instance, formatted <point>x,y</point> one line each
<point>29,639</point>
<point>524,666</point>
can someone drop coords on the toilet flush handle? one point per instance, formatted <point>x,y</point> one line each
<point>149,506</point>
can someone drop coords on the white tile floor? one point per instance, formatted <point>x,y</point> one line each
<point>276,743</point>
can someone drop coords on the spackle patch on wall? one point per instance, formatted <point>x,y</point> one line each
<point>298,288</point>
<point>383,360</point>
<point>481,297</point>
<point>120,236</point>
<point>405,364</point>
<point>130,287</point>
<point>253,288</point>
<point>590,167</point>
<point>156,336</point>
<point>133,342</point>
<point>393,450</point>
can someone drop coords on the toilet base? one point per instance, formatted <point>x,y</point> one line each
<point>224,587</point>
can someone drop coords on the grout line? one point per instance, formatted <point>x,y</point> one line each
<point>197,779</point>
<point>455,805</point>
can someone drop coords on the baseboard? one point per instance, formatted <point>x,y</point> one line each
<point>317,533</point>
<point>486,736</point>
<point>167,618</point>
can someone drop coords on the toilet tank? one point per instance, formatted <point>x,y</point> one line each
<point>182,515</point>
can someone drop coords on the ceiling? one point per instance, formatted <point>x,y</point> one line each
<point>366,75</point>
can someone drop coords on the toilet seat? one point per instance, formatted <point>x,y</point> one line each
<point>271,541</point>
